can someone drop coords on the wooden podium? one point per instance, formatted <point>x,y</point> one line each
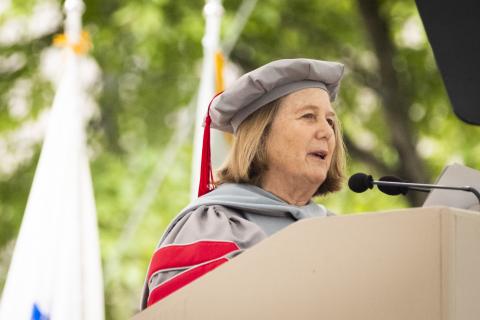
<point>406,264</point>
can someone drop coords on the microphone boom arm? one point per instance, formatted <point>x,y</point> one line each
<point>423,186</point>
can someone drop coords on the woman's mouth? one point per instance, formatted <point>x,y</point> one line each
<point>319,154</point>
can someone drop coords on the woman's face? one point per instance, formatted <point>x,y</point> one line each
<point>301,140</point>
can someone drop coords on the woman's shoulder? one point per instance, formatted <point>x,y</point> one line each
<point>197,241</point>
<point>212,223</point>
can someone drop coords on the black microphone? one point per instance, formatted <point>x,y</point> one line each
<point>360,182</point>
<point>396,189</point>
<point>392,190</point>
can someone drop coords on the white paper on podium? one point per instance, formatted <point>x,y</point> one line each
<point>459,176</point>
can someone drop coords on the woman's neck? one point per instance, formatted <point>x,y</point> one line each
<point>289,190</point>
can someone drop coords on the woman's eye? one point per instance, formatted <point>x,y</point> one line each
<point>309,116</point>
<point>331,122</point>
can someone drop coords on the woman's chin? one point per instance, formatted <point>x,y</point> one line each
<point>317,180</point>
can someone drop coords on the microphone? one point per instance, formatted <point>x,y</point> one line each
<point>392,190</point>
<point>360,182</point>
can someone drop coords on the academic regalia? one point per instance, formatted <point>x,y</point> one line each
<point>224,221</point>
<point>215,228</point>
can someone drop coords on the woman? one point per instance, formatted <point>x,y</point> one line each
<point>288,148</point>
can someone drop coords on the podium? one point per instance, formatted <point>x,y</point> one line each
<point>410,264</point>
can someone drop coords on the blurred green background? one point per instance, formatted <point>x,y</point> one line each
<point>395,112</point>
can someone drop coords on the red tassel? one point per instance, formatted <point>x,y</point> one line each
<point>206,174</point>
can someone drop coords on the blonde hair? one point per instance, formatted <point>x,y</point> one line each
<point>247,160</point>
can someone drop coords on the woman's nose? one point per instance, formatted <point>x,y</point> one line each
<point>324,130</point>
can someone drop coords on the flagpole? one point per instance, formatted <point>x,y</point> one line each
<point>213,12</point>
<point>74,10</point>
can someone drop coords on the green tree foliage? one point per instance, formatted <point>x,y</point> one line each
<point>395,112</point>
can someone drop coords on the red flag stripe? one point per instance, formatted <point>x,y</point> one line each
<point>182,280</point>
<point>186,255</point>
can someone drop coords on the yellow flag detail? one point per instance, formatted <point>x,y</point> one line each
<point>220,85</point>
<point>80,47</point>
<point>219,64</point>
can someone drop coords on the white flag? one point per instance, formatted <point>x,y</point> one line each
<point>55,271</point>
